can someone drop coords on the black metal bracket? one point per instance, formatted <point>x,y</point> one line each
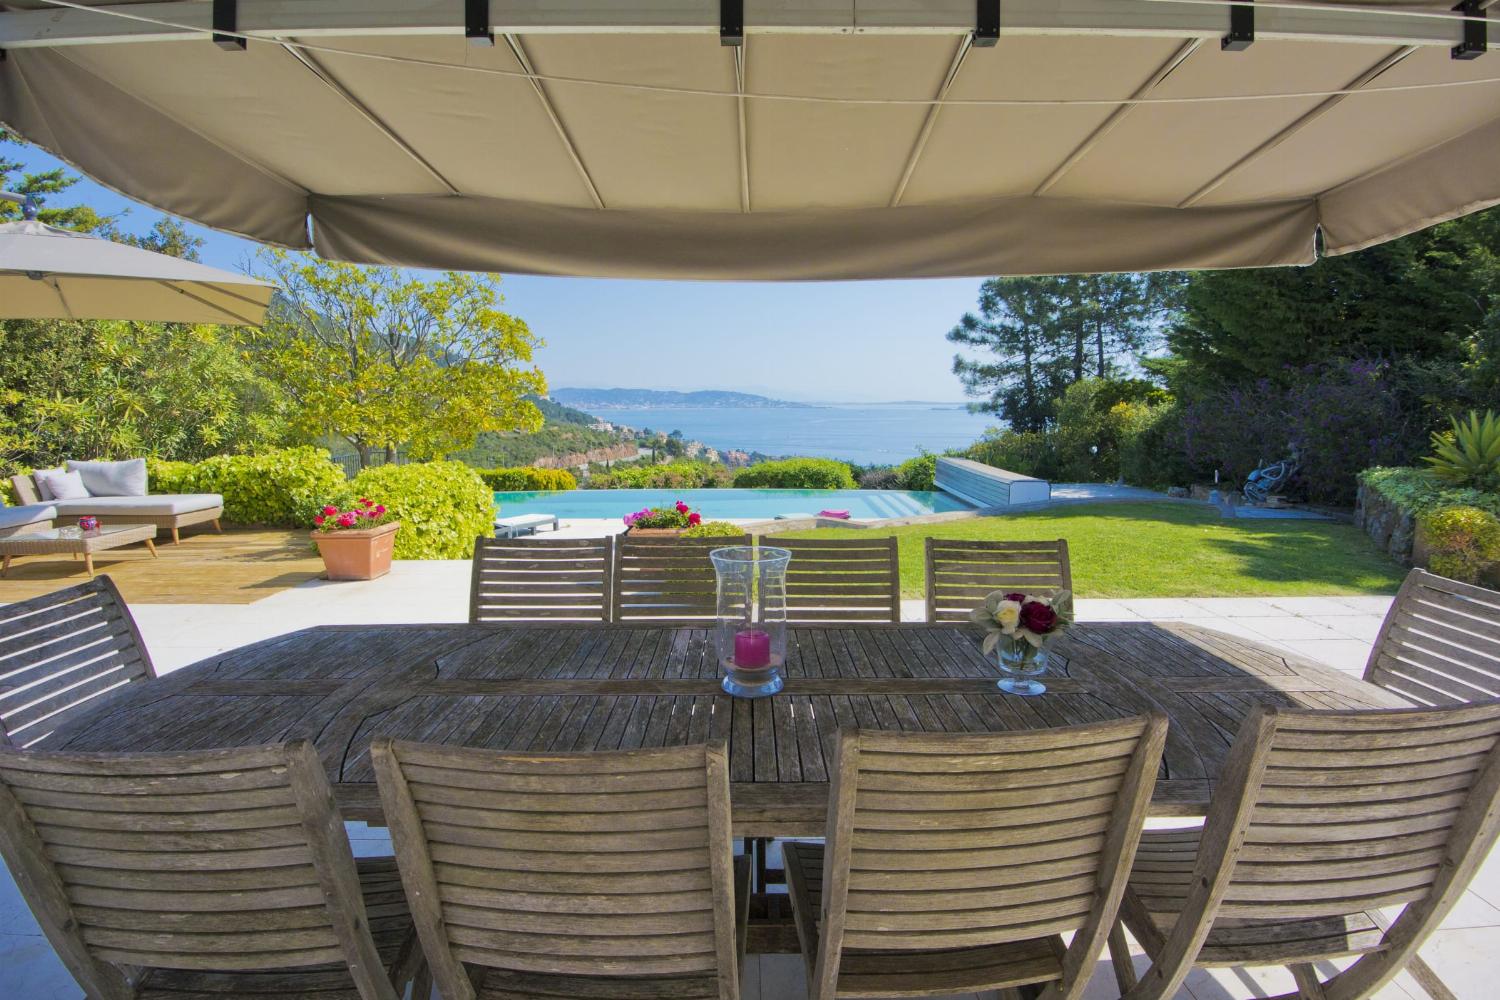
<point>1241,28</point>
<point>1476,31</point>
<point>731,22</point>
<point>477,23</point>
<point>227,19</point>
<point>986,23</point>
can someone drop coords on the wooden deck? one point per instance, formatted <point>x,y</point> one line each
<point>237,567</point>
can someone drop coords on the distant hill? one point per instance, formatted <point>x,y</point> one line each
<point>629,399</point>
<point>554,412</point>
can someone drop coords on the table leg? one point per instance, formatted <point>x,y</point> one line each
<point>88,563</point>
<point>151,547</point>
<point>6,567</point>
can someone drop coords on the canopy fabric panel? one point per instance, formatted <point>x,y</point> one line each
<point>840,141</point>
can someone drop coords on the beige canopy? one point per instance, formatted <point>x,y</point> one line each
<point>51,273</point>
<point>843,139</point>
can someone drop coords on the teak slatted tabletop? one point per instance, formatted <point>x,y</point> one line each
<point>582,687</point>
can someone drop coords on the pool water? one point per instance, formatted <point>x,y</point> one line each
<point>728,504</point>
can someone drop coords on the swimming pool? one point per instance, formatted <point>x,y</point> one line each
<point>728,504</point>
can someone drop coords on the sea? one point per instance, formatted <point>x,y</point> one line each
<point>862,433</point>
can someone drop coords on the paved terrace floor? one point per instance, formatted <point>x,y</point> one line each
<point>231,605</point>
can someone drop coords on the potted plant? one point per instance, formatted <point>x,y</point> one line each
<point>356,544</point>
<point>664,522</point>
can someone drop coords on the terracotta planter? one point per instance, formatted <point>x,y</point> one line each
<point>359,554</point>
<point>655,532</point>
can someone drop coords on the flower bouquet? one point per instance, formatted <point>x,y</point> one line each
<point>1017,628</point>
<point>663,520</point>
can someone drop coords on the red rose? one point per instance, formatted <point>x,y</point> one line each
<point>1038,617</point>
<point>695,518</point>
<point>1018,597</point>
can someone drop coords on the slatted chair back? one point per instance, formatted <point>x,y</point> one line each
<point>223,860</point>
<point>614,864</point>
<point>60,652</point>
<point>841,579</point>
<point>960,574</point>
<point>1440,644</point>
<point>666,580</point>
<point>968,841</point>
<point>541,579</point>
<point>1328,814</point>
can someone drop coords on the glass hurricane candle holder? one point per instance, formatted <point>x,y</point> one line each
<point>751,632</point>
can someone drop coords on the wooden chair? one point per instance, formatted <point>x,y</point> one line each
<point>953,863</point>
<point>666,580</point>
<point>582,875</point>
<point>960,574</point>
<point>833,580</point>
<point>221,873</point>
<point>1440,643</point>
<point>1320,818</point>
<point>60,652</point>
<point>541,579</point>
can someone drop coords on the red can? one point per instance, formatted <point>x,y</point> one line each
<point>88,523</point>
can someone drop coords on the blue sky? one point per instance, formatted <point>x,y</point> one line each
<point>833,341</point>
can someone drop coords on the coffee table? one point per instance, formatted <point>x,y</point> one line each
<point>76,541</point>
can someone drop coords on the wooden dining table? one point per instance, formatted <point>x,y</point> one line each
<point>599,687</point>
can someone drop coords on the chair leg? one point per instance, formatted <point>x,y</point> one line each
<point>218,529</point>
<point>1420,970</point>
<point>176,536</point>
<point>1119,958</point>
<point>1309,986</point>
<point>421,984</point>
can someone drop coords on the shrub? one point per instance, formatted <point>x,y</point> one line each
<point>670,476</point>
<point>1469,454</point>
<point>1418,492</point>
<point>797,474</point>
<point>917,473</point>
<point>1464,542</point>
<point>1151,447</point>
<point>880,477</point>
<point>442,506</point>
<point>527,478</point>
<point>280,488</point>
<point>679,515</point>
<point>1031,453</point>
<point>713,529</point>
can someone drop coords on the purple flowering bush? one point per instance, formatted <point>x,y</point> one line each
<point>1337,419</point>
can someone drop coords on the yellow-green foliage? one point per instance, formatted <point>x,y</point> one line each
<point>1469,454</point>
<point>713,529</point>
<point>281,488</point>
<point>527,477</point>
<point>797,474</point>
<point>442,506</point>
<point>918,473</point>
<point>1464,542</point>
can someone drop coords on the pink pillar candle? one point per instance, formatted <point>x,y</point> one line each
<point>752,648</point>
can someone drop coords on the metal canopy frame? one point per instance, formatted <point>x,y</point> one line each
<point>279,19</point>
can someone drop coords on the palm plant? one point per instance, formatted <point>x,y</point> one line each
<point>1469,454</point>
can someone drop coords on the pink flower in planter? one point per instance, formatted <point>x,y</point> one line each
<point>694,519</point>
<point>318,520</point>
<point>380,510</point>
<point>348,519</point>
<point>682,508</point>
<point>363,502</point>
<point>330,510</point>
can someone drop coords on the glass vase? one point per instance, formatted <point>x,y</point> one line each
<point>1022,663</point>
<point>751,633</point>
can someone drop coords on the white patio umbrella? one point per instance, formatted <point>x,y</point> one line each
<point>51,273</point>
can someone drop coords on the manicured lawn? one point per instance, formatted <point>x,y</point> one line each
<point>1175,550</point>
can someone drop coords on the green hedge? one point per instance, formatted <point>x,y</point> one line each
<point>527,478</point>
<point>1419,492</point>
<point>917,473</point>
<point>281,488</point>
<point>797,474</point>
<point>442,506</point>
<point>669,476</point>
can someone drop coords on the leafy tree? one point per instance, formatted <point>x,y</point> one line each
<point>386,360</point>
<point>1038,335</point>
<point>1422,299</point>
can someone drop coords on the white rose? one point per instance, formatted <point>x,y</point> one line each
<point>1008,616</point>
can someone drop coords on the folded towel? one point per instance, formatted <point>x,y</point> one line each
<point>842,515</point>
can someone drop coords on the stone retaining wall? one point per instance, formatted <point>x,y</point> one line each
<point>1393,529</point>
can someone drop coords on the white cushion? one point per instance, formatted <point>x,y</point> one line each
<point>32,513</point>
<point>63,485</point>
<point>112,479</point>
<point>154,505</point>
<point>39,477</point>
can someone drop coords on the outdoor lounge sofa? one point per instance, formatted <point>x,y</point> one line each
<point>26,518</point>
<point>117,495</point>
